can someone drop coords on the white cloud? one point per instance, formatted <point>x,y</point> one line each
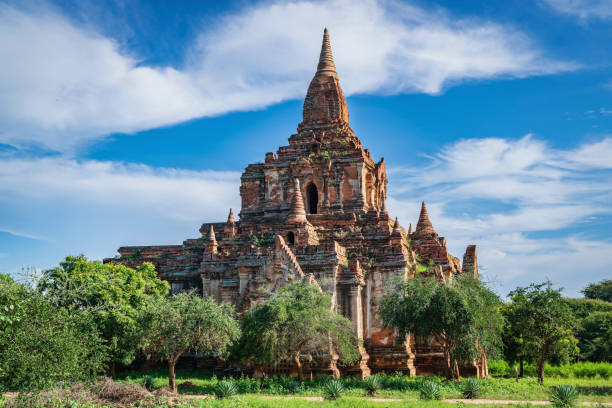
<point>62,84</point>
<point>168,194</point>
<point>583,9</point>
<point>516,188</point>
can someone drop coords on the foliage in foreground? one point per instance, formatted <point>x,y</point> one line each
<point>470,388</point>
<point>333,390</point>
<point>225,389</point>
<point>113,294</point>
<point>296,320</point>
<point>372,384</point>
<point>467,325</point>
<point>103,393</point>
<point>186,321</point>
<point>543,324</point>
<point>563,396</point>
<point>40,344</point>
<point>430,391</point>
<point>501,368</point>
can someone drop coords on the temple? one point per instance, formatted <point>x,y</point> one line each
<point>315,211</point>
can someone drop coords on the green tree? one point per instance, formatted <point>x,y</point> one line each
<point>297,320</point>
<point>462,316</point>
<point>185,322</point>
<point>601,290</point>
<point>595,337</point>
<point>545,322</point>
<point>593,328</point>
<point>115,296</point>
<point>40,344</point>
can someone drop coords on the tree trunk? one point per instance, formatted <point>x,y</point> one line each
<point>112,369</point>
<point>298,364</point>
<point>542,364</point>
<point>171,375</point>
<point>521,368</point>
<point>449,369</point>
<point>456,371</point>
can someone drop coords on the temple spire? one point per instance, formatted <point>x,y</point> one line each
<point>396,228</point>
<point>326,65</point>
<point>211,236</point>
<point>297,212</point>
<point>230,217</point>
<point>410,229</point>
<point>424,225</point>
<point>211,242</point>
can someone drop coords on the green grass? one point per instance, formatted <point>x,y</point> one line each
<point>400,387</point>
<point>256,401</point>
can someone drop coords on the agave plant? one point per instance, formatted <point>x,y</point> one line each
<point>563,396</point>
<point>147,382</point>
<point>430,391</point>
<point>333,389</point>
<point>470,388</point>
<point>372,384</point>
<point>225,389</point>
<point>294,387</point>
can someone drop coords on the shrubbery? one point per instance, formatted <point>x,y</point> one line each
<point>501,368</point>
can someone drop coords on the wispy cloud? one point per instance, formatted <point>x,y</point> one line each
<point>583,9</point>
<point>515,189</point>
<point>64,84</point>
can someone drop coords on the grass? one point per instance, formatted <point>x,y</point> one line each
<point>399,387</point>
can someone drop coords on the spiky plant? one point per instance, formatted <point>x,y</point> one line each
<point>294,387</point>
<point>563,396</point>
<point>470,388</point>
<point>372,385</point>
<point>225,389</point>
<point>332,390</point>
<point>430,391</point>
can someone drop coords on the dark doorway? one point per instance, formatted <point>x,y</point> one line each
<point>313,198</point>
<point>291,238</point>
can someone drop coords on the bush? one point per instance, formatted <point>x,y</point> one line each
<point>499,368</point>
<point>247,385</point>
<point>470,388</point>
<point>225,389</point>
<point>372,384</point>
<point>332,390</point>
<point>430,391</point>
<point>563,396</point>
<point>294,387</point>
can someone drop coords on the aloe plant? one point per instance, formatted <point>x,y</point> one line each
<point>372,384</point>
<point>333,389</point>
<point>563,396</point>
<point>430,391</point>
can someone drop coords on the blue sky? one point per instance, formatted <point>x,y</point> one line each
<point>129,122</point>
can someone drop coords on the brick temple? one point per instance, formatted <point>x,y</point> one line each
<point>315,211</point>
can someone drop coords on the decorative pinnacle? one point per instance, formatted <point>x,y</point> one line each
<point>396,228</point>
<point>230,217</point>
<point>424,225</point>
<point>297,212</point>
<point>326,65</point>
<point>211,235</point>
<point>410,229</point>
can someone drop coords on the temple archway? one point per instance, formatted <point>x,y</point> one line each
<point>291,238</point>
<point>313,198</point>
